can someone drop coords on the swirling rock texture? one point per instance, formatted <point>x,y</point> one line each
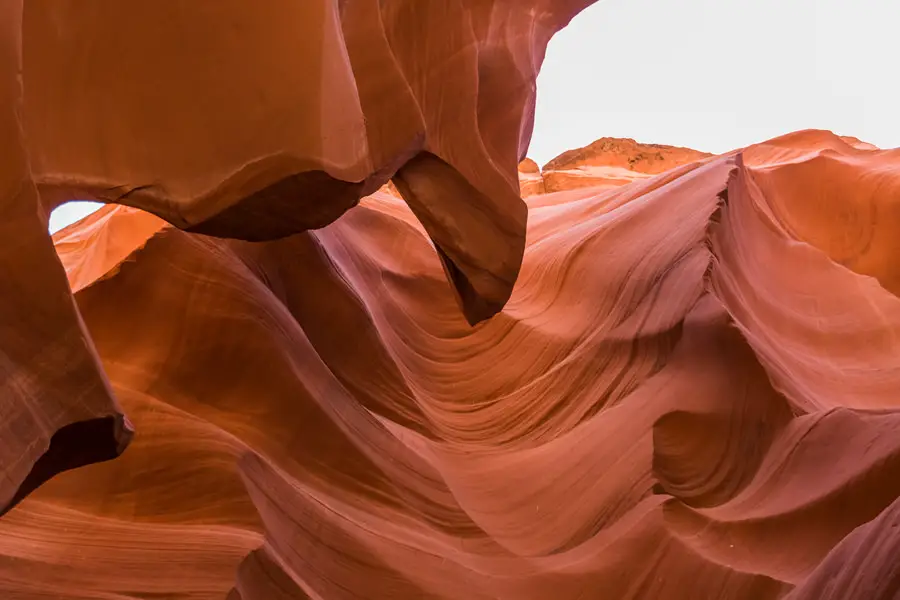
<point>690,393</point>
<point>250,122</point>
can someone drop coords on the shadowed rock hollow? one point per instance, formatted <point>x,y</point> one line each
<point>687,388</point>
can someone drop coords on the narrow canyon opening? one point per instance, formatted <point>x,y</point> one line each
<point>71,212</point>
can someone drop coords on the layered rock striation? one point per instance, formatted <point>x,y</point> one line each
<point>248,122</point>
<point>690,394</point>
<point>347,360</point>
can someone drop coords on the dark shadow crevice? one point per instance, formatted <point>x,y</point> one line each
<point>480,239</point>
<point>76,445</point>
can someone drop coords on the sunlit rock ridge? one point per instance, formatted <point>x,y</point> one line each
<point>317,346</point>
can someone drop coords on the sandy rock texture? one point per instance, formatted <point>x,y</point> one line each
<point>243,121</point>
<point>690,394</point>
<point>318,347</point>
<point>607,162</point>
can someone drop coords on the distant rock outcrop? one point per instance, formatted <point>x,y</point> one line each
<point>607,162</point>
<point>531,181</point>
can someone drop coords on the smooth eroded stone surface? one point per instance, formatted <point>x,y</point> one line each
<point>258,122</point>
<point>690,394</point>
<point>241,121</point>
<point>56,408</point>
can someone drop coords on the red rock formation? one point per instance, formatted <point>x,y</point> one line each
<point>334,99</point>
<point>611,162</point>
<point>606,163</point>
<point>531,181</point>
<point>650,159</point>
<point>241,121</point>
<point>691,394</point>
<point>691,391</point>
<point>58,411</point>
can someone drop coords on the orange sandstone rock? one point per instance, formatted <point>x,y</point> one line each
<point>660,418</point>
<point>687,389</point>
<point>249,122</point>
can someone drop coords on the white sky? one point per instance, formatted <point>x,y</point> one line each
<point>711,75</point>
<point>716,75</point>
<point>69,213</point>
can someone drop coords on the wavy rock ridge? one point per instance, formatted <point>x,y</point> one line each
<point>690,391</point>
<point>700,406</point>
<point>228,119</point>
